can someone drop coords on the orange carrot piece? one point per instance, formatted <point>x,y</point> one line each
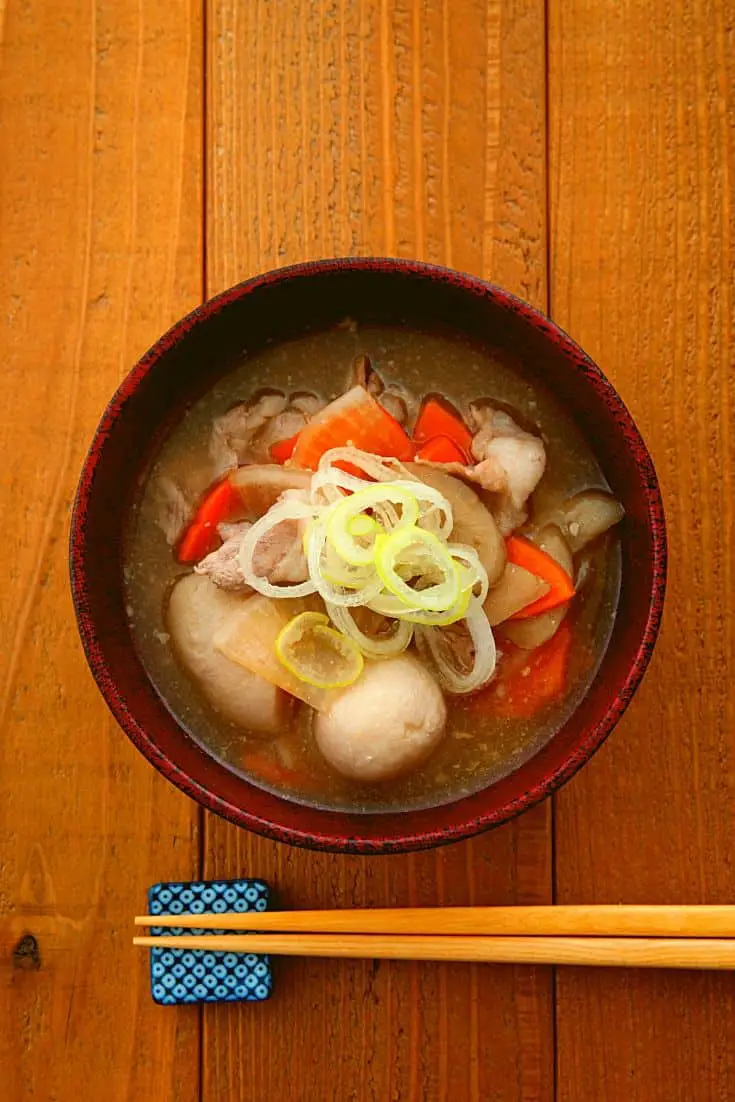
<point>523,553</point>
<point>264,767</point>
<point>437,417</point>
<point>284,449</point>
<point>353,419</point>
<point>220,504</point>
<point>442,449</point>
<point>528,680</point>
<point>198,540</point>
<point>356,472</point>
<point>271,771</point>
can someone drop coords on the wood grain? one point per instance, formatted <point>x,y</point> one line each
<point>373,126</point>
<point>100,200</point>
<point>413,129</point>
<point>642,172</point>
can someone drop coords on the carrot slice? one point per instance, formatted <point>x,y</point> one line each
<point>356,472</point>
<point>437,417</point>
<point>354,419</point>
<point>442,449</point>
<point>266,768</point>
<point>283,449</point>
<point>528,680</point>
<point>272,772</point>
<point>523,553</point>
<point>198,540</point>
<point>220,504</point>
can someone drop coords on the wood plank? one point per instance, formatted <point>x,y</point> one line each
<point>642,170</point>
<point>100,250</point>
<point>414,129</point>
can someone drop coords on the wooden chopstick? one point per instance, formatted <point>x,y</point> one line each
<point>709,953</point>
<point>606,920</point>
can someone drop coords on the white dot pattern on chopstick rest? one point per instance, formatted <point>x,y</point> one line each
<point>191,976</point>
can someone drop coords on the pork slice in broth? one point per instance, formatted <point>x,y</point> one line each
<point>510,465</point>
<point>234,438</point>
<point>246,433</point>
<point>222,566</point>
<point>174,507</point>
<point>510,462</point>
<point>279,554</point>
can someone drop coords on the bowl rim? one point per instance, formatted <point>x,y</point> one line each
<point>411,840</point>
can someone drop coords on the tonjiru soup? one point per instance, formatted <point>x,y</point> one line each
<point>373,569</point>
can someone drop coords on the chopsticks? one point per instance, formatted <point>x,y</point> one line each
<point>699,936</point>
<point>610,920</point>
<point>622,952</point>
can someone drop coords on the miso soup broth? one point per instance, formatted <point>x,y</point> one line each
<point>501,644</point>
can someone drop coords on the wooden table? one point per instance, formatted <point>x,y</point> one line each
<point>151,153</point>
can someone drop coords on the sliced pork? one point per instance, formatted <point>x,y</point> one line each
<point>246,433</point>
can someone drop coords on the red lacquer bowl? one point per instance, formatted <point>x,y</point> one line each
<point>280,305</point>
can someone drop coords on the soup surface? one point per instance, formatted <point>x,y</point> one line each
<point>487,732</point>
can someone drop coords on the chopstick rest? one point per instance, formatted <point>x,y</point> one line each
<point>193,976</point>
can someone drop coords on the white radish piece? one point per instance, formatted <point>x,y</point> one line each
<point>248,637</point>
<point>261,485</point>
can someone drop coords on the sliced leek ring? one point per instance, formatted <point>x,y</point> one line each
<point>429,642</point>
<point>395,548</point>
<point>317,654</point>
<point>372,646</point>
<point>472,570</point>
<point>386,604</point>
<point>356,550</point>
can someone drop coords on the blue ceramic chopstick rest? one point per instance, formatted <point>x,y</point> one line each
<point>194,976</point>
